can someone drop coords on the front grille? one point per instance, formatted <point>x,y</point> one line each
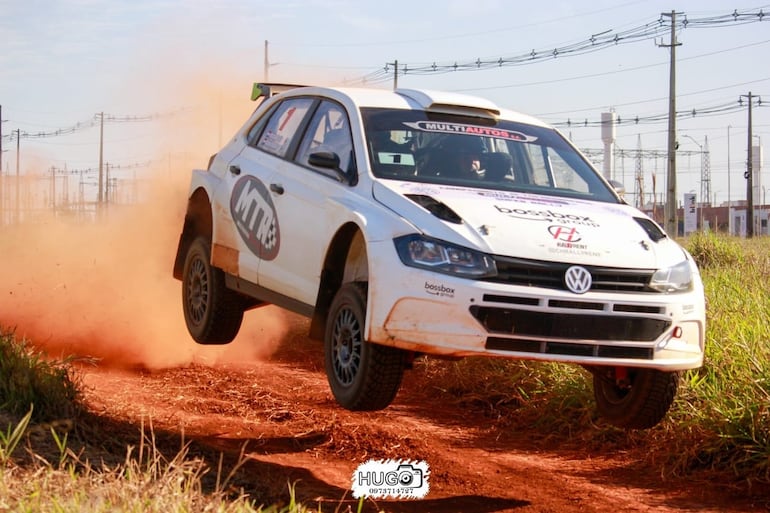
<point>536,273</point>
<point>588,326</point>
<point>568,349</point>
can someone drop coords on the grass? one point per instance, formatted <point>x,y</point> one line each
<point>29,378</point>
<point>719,423</point>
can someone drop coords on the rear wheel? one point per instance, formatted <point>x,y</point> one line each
<point>212,312</point>
<point>634,398</point>
<point>362,375</point>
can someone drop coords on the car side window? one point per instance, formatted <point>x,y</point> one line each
<point>329,130</point>
<point>282,126</point>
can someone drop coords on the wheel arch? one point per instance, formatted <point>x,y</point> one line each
<point>197,221</point>
<point>346,260</point>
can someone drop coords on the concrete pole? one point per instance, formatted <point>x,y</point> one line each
<point>750,181</point>
<point>18,211</point>
<point>671,221</point>
<point>101,157</point>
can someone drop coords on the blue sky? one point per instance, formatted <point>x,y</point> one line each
<point>64,61</point>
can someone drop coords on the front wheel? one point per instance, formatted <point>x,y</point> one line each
<point>213,313</point>
<point>634,398</point>
<point>362,375</point>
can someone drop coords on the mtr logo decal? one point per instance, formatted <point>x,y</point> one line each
<point>254,215</point>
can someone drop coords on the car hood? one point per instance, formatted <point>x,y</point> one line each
<point>532,226</point>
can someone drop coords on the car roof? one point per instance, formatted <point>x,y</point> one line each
<point>421,99</point>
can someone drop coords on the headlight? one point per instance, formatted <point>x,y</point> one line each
<point>442,257</point>
<point>674,279</point>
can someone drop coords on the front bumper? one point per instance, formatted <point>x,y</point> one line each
<point>440,314</point>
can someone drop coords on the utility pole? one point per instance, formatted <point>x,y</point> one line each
<point>749,175</point>
<point>101,157</point>
<point>729,203</point>
<point>670,213</point>
<point>53,190</point>
<point>18,138</point>
<point>266,63</point>
<point>395,73</point>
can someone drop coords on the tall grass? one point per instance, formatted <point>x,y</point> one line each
<point>28,377</point>
<point>727,402</point>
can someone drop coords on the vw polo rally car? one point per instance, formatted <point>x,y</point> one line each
<point>408,222</point>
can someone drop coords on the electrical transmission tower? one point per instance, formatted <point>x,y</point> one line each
<point>639,174</point>
<point>705,174</point>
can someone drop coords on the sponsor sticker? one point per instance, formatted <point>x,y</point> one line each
<point>460,128</point>
<point>397,479</point>
<point>568,241</point>
<point>439,289</point>
<point>565,233</point>
<point>548,215</point>
<point>518,197</point>
<point>255,217</point>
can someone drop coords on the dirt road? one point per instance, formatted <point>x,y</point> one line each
<point>280,412</point>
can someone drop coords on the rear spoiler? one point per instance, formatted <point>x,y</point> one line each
<point>266,90</point>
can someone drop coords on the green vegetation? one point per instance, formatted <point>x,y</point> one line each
<point>28,379</point>
<point>720,422</point>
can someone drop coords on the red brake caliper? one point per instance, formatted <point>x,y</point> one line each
<point>621,377</point>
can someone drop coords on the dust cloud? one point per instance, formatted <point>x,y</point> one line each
<point>103,288</point>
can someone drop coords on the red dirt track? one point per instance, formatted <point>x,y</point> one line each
<point>280,412</point>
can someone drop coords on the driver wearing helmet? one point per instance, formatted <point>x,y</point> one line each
<point>463,157</point>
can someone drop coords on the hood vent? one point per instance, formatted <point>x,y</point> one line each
<point>436,208</point>
<point>653,230</point>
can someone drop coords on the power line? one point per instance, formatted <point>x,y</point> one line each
<point>714,110</point>
<point>91,123</point>
<point>596,42</point>
<point>681,95</point>
<point>615,72</point>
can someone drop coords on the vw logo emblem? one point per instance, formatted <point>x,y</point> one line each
<point>578,279</point>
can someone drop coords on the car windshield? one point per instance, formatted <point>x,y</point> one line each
<point>418,146</point>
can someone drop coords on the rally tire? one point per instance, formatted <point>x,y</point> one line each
<point>363,376</point>
<point>642,404</point>
<point>213,313</point>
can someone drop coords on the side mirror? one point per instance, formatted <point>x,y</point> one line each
<point>324,159</point>
<point>330,160</point>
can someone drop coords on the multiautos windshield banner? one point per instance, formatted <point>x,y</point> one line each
<point>459,128</point>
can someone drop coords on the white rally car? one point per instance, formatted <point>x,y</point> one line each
<point>407,222</point>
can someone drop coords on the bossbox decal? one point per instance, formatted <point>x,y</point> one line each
<point>254,215</point>
<point>547,215</point>
<point>439,289</point>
